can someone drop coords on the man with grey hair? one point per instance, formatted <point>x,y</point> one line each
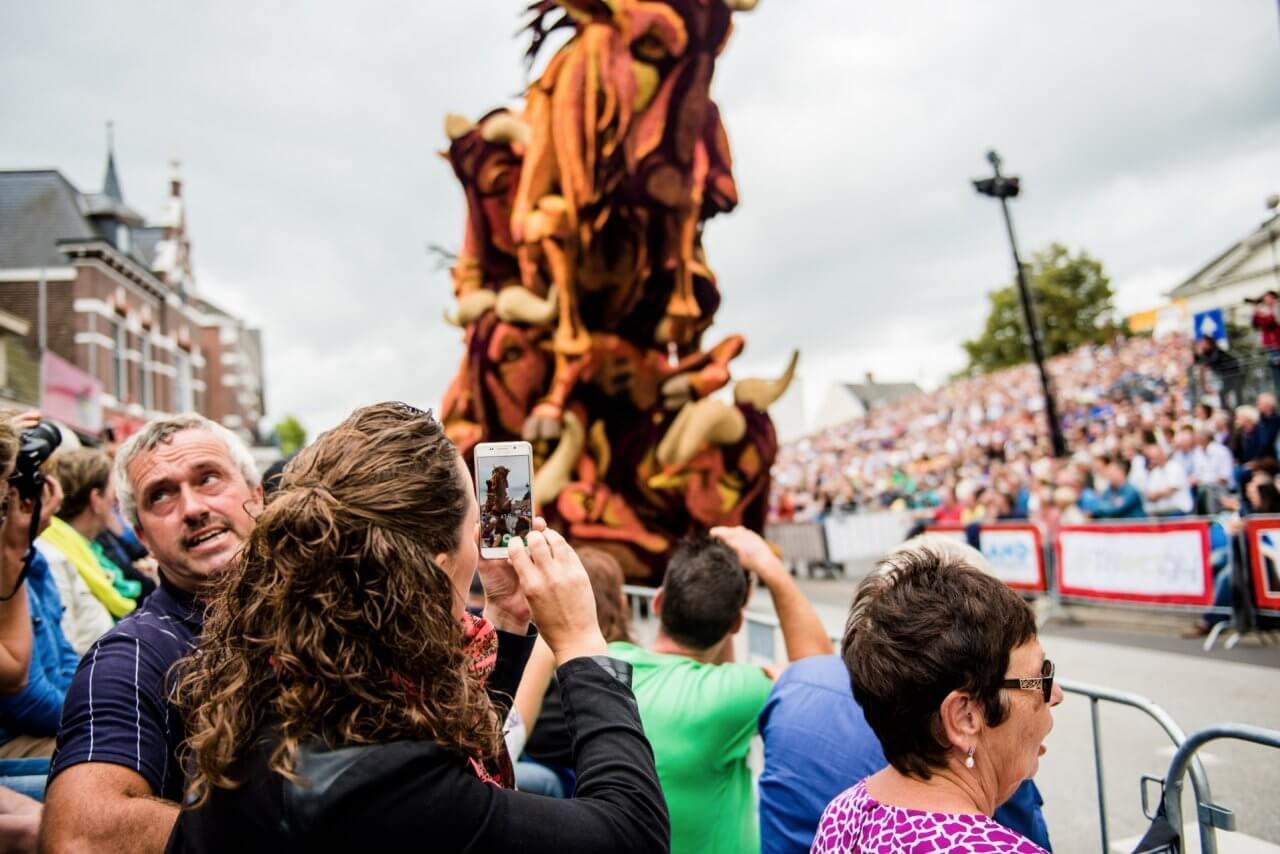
<point>191,491</point>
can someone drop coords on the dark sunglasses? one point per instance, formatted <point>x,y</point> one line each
<point>1042,683</point>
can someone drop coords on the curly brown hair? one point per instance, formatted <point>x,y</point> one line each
<point>340,626</point>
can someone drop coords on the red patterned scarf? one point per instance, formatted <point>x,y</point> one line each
<point>480,642</point>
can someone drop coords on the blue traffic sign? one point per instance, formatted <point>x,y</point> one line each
<point>1211,323</point>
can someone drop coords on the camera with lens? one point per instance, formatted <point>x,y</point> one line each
<point>34,447</point>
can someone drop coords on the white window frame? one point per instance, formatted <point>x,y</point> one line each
<point>120,365</point>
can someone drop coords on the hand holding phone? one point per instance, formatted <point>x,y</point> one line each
<point>559,593</point>
<point>504,601</point>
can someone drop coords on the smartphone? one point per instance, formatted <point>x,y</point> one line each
<point>504,491</point>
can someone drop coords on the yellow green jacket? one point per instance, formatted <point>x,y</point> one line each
<point>102,582</point>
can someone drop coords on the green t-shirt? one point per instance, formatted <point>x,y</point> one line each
<point>700,719</point>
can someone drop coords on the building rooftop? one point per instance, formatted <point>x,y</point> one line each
<point>873,394</point>
<point>37,208</point>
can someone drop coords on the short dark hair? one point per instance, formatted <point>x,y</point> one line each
<point>703,592</point>
<point>925,624</point>
<point>1270,496</point>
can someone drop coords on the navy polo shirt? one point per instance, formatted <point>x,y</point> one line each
<point>117,709</point>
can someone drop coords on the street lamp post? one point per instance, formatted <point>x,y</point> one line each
<point>1005,188</point>
<point>1273,206</point>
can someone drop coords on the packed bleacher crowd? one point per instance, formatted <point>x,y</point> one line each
<point>232,670</point>
<point>987,433</point>
<point>976,451</point>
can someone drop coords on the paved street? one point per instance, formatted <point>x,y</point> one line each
<point>1144,655</point>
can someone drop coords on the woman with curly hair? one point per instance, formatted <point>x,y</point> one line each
<point>343,699</point>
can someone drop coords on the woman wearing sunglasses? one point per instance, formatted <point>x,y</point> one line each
<point>945,662</point>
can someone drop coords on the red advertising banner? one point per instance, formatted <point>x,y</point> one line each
<point>1263,535</point>
<point>71,395</point>
<point>1015,552</point>
<point>1161,563</point>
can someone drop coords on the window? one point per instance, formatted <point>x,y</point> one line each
<point>146,397</point>
<point>119,362</point>
<point>123,238</point>
<point>182,401</point>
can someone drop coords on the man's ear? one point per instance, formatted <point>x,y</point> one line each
<point>659,597</point>
<point>738,622</point>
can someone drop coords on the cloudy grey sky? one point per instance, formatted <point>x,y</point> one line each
<point>1146,131</point>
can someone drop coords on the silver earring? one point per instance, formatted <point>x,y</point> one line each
<point>968,760</point>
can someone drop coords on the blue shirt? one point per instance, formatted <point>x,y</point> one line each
<point>117,709</point>
<point>1122,503</point>
<point>817,744</point>
<point>37,708</point>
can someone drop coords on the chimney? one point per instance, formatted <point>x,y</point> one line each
<point>175,179</point>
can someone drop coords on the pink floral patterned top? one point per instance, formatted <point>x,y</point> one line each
<point>856,822</point>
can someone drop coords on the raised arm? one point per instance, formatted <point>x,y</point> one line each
<point>802,629</point>
<point>15,615</point>
<point>533,687</point>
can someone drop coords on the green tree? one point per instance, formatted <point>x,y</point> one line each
<point>1074,306</point>
<point>290,435</point>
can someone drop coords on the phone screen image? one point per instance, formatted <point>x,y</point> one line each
<point>505,486</point>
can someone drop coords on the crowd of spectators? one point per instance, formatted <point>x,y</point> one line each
<point>977,450</point>
<point>950,448</point>
<point>302,674</point>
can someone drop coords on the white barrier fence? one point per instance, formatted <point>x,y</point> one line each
<point>863,536</point>
<point>1158,563</point>
<point>1153,564</point>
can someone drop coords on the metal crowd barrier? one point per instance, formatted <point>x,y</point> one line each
<point>1199,780</point>
<point>1208,815</point>
<point>803,544</point>
<point>814,544</point>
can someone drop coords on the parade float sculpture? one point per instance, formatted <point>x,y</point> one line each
<point>584,291</point>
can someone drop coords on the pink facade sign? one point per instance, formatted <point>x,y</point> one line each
<point>71,395</point>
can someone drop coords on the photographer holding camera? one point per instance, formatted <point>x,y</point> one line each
<point>29,716</point>
<point>20,813</point>
<point>1268,326</point>
<point>26,444</point>
<point>15,619</point>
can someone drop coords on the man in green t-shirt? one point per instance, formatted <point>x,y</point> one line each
<point>698,707</point>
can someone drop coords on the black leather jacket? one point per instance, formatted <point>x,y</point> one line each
<point>418,796</point>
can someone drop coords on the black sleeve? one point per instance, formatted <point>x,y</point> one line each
<point>618,805</point>
<point>513,655</point>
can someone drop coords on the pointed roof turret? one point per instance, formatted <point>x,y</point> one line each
<point>111,183</point>
<point>109,204</point>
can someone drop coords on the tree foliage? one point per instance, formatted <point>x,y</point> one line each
<point>290,435</point>
<point>1074,305</point>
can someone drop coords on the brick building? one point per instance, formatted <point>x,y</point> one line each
<point>120,305</point>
